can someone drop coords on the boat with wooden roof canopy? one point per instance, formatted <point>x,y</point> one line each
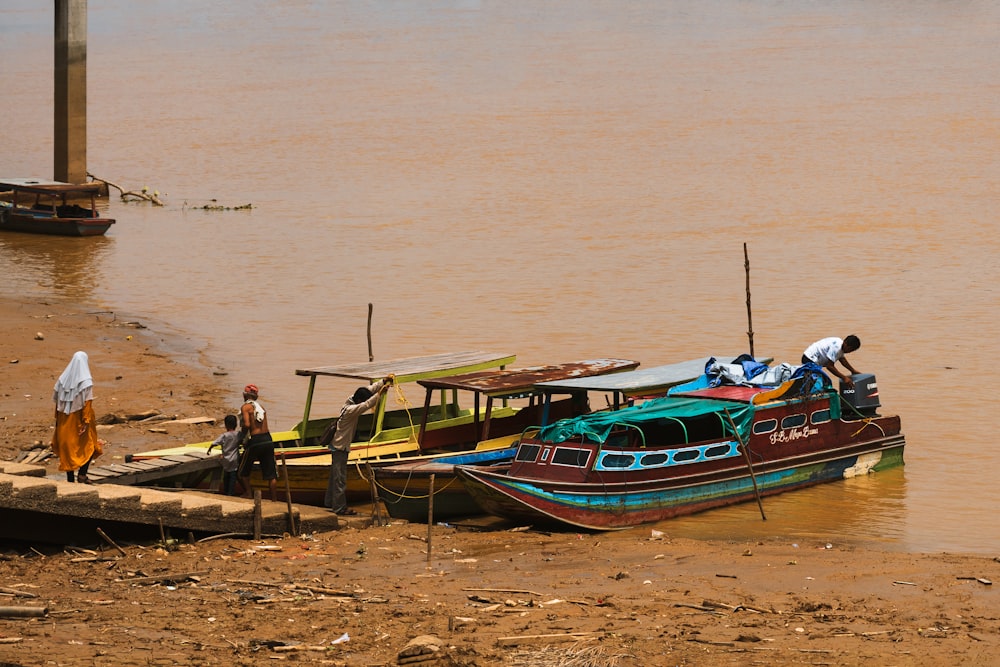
<point>710,442</point>
<point>393,433</point>
<point>381,433</point>
<point>38,206</point>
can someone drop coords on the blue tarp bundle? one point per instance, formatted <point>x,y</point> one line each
<point>744,370</point>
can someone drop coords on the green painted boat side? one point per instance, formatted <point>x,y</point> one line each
<point>388,428</point>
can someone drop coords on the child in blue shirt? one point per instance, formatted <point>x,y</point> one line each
<point>229,442</point>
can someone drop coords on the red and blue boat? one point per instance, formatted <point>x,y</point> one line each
<point>406,487</point>
<point>740,431</point>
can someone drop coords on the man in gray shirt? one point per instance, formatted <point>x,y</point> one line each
<point>363,400</point>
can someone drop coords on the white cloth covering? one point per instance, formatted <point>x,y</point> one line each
<point>258,411</point>
<point>75,386</point>
<point>734,374</point>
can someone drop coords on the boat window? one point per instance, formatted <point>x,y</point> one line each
<point>666,431</point>
<point>653,460</point>
<point>618,461</point>
<point>705,427</point>
<point>820,417</point>
<point>545,454</point>
<point>716,450</point>
<point>527,452</point>
<point>765,426</point>
<point>792,421</point>
<point>616,439</point>
<point>685,455</point>
<point>567,456</point>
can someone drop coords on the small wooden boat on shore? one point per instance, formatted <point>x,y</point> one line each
<point>384,432</point>
<point>38,206</point>
<point>706,444</point>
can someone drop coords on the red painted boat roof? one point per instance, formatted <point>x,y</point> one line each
<point>509,382</point>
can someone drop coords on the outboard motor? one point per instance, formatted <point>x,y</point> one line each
<point>863,396</point>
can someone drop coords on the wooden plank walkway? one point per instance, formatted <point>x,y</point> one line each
<point>164,469</point>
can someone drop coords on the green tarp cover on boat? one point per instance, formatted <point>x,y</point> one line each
<point>597,426</point>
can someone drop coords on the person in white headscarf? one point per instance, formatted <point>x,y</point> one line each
<point>75,439</point>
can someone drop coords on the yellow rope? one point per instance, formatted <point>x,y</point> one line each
<point>403,401</point>
<point>868,422</point>
<point>361,474</point>
<point>407,406</point>
<point>357,464</point>
<point>403,495</point>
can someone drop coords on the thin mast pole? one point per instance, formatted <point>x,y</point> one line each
<point>746,268</point>
<point>371,356</point>
<point>746,457</point>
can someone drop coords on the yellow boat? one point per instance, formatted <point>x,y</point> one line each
<point>381,433</point>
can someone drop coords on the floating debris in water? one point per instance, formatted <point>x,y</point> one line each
<point>213,206</point>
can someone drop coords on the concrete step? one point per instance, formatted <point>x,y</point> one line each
<point>26,492</point>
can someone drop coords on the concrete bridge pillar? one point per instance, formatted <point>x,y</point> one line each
<point>70,135</point>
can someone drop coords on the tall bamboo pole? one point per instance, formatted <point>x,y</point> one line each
<point>746,457</point>
<point>288,496</point>
<point>258,517</point>
<point>430,517</point>
<point>746,268</point>
<point>371,355</point>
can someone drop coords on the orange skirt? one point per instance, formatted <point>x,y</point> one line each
<point>75,439</point>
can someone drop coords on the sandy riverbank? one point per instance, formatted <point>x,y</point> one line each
<point>493,597</point>
<point>134,373</point>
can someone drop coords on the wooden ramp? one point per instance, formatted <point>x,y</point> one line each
<point>188,467</point>
<point>34,507</point>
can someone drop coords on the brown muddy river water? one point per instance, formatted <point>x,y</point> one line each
<point>560,180</point>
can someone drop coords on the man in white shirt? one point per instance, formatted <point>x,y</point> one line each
<point>828,351</point>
